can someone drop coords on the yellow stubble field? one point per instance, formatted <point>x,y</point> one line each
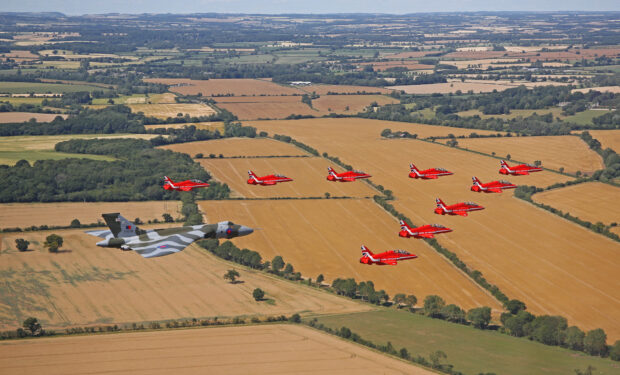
<point>608,138</point>
<point>308,174</point>
<point>172,110</point>
<point>85,284</point>
<point>213,126</point>
<point>26,214</point>
<point>593,201</point>
<point>325,236</point>
<point>237,147</point>
<point>553,265</point>
<point>264,349</point>
<point>217,87</point>
<point>555,152</point>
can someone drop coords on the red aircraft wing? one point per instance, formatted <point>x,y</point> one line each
<point>460,212</point>
<point>426,235</point>
<point>495,190</point>
<point>389,262</point>
<point>522,173</point>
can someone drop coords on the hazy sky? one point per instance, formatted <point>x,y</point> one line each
<point>74,7</point>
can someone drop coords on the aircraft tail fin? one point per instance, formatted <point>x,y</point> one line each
<point>331,170</point>
<point>403,225</point>
<point>440,203</point>
<point>503,164</point>
<point>119,226</point>
<point>168,181</point>
<point>475,180</point>
<point>366,252</point>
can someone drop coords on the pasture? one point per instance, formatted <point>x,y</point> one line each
<point>231,147</point>
<point>324,237</point>
<point>592,201</point>
<point>531,254</point>
<point>555,152</point>
<point>42,88</point>
<point>470,350</point>
<point>165,111</point>
<point>85,284</point>
<point>309,175</point>
<point>12,117</point>
<point>220,87</point>
<point>26,214</point>
<point>260,349</point>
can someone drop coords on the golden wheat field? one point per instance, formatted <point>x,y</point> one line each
<point>308,174</point>
<point>172,110</point>
<point>26,214</point>
<point>219,87</point>
<point>237,147</point>
<point>213,126</point>
<point>85,284</point>
<point>608,138</point>
<point>8,117</point>
<point>452,87</point>
<point>553,265</point>
<point>321,89</point>
<point>593,201</point>
<point>259,349</point>
<point>612,89</point>
<point>348,104</point>
<point>568,152</point>
<point>325,236</point>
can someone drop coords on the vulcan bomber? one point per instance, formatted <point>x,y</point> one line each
<point>152,243</point>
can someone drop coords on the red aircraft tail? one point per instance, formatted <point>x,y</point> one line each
<point>476,181</point>
<point>168,181</point>
<point>503,164</point>
<point>366,252</point>
<point>404,226</point>
<point>440,203</point>
<point>331,170</point>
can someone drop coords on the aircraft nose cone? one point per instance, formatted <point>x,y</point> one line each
<point>243,230</point>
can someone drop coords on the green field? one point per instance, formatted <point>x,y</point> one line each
<point>17,101</point>
<point>514,113</point>
<point>470,350</point>
<point>585,117</point>
<point>42,88</point>
<point>12,157</point>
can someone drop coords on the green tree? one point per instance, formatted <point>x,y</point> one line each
<point>404,353</point>
<point>53,242</point>
<point>75,223</point>
<point>22,244</point>
<point>595,342</point>
<point>514,306</point>
<point>547,329</point>
<point>399,299</point>
<point>411,301</point>
<point>436,358</point>
<point>32,325</point>
<point>614,351</point>
<point>320,279</point>
<point>588,371</point>
<point>574,338</point>
<point>295,318</point>
<point>231,275</point>
<point>167,218</point>
<point>258,294</point>
<point>453,313</point>
<point>288,269</point>
<point>433,305</point>
<point>515,324</point>
<point>479,317</point>
<point>277,263</point>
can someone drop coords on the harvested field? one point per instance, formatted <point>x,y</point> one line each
<point>593,201</point>
<point>324,237</point>
<point>26,214</point>
<point>409,55</point>
<point>172,110</point>
<point>237,147</point>
<point>608,138</point>
<point>87,284</point>
<point>215,125</point>
<point>445,88</point>
<point>555,152</point>
<point>572,54</point>
<point>218,87</point>
<point>411,65</point>
<point>344,89</point>
<point>264,349</point>
<point>309,175</point>
<point>10,117</point>
<point>554,265</point>
<point>278,107</point>
<point>612,89</point>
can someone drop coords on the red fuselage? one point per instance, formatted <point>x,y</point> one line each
<point>457,209</point>
<point>518,170</point>
<point>425,231</point>
<point>427,174</point>
<point>269,180</point>
<point>491,187</point>
<point>390,258</point>
<point>187,185</point>
<point>347,176</point>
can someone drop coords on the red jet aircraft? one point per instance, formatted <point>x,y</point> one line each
<point>347,176</point>
<point>427,174</point>
<point>491,187</point>
<point>456,209</point>
<point>269,180</point>
<point>186,185</point>
<point>386,258</point>
<point>425,231</point>
<point>518,170</point>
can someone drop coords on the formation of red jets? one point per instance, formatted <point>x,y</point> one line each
<point>392,257</point>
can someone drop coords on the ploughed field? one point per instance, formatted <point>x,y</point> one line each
<point>88,285</point>
<point>309,176</point>
<point>237,147</point>
<point>325,236</point>
<point>553,265</point>
<point>555,152</point>
<point>24,215</point>
<point>263,349</point>
<point>592,201</point>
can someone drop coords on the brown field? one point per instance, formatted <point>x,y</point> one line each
<point>309,175</point>
<point>343,89</point>
<point>215,125</point>
<point>26,214</point>
<point>215,87</point>
<point>86,284</point>
<point>608,138</point>
<point>9,117</point>
<point>237,147</point>
<point>593,201</point>
<point>445,88</point>
<point>277,107</point>
<point>553,265</point>
<point>324,237</point>
<point>171,110</point>
<point>537,56</point>
<point>411,65</point>
<point>409,55</point>
<point>264,349</point>
<point>612,89</point>
<point>568,152</point>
